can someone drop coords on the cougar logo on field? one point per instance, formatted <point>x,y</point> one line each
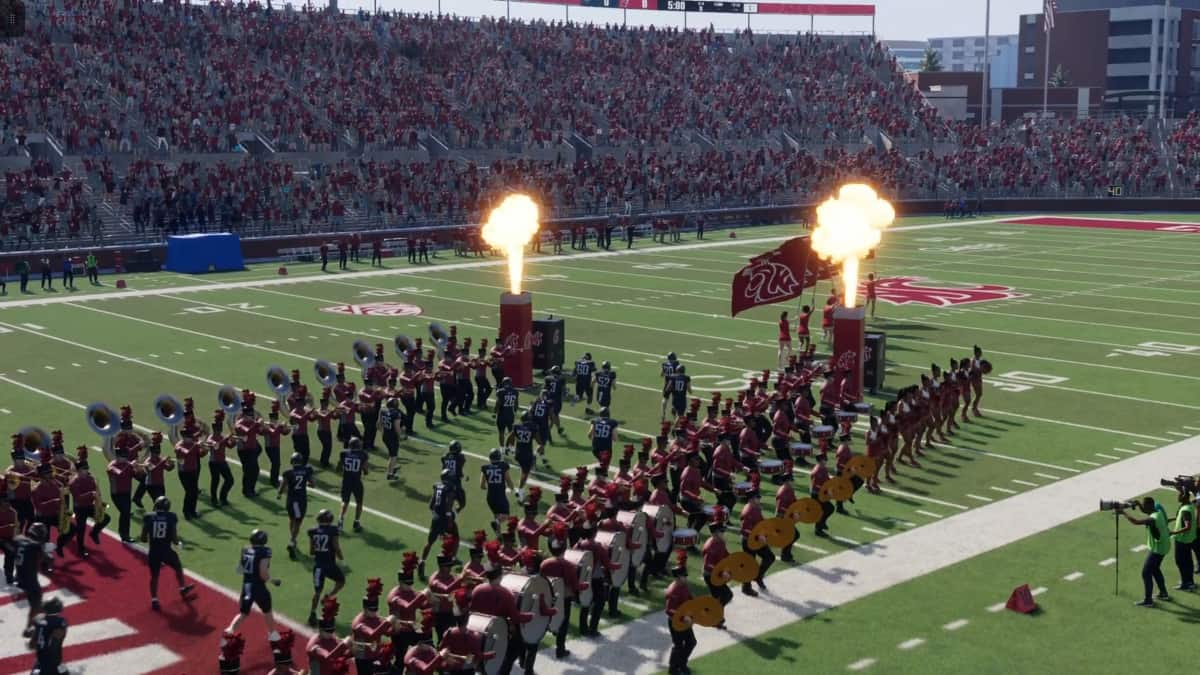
<point>906,290</point>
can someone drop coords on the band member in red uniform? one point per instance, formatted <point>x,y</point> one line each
<point>751,516</point>
<point>682,642</point>
<point>803,339</point>
<point>818,476</point>
<point>404,604</point>
<point>281,654</point>
<point>602,568</point>
<point>188,453</point>
<point>19,482</point>
<point>220,480</point>
<point>120,482</point>
<point>785,338</point>
<point>495,600</point>
<point>422,658</point>
<point>300,415</point>
<point>529,530</point>
<point>872,293</point>
<point>715,551</point>
<point>324,417</point>
<point>442,585</point>
<point>369,629</point>
<point>690,497</point>
<point>47,497</point>
<point>472,572</point>
<point>248,429</point>
<point>85,496</point>
<point>827,318</point>
<point>461,651</point>
<point>272,431</point>
<point>557,566</point>
<point>156,466</point>
<point>327,655</point>
<point>785,496</point>
<point>843,457</point>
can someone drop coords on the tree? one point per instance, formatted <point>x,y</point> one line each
<point>1061,77</point>
<point>932,62</point>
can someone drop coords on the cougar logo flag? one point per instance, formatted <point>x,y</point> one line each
<point>775,276</point>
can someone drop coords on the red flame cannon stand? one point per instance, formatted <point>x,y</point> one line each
<point>849,336</point>
<point>516,332</point>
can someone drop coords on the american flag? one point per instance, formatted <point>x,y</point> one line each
<point>1050,7</point>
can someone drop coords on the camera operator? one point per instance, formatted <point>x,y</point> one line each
<point>1184,535</point>
<point>1159,542</point>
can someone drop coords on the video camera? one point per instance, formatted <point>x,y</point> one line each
<point>1185,483</point>
<point>1113,505</point>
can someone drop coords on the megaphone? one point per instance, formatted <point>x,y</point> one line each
<point>102,419</point>
<point>403,343</point>
<point>326,372</point>
<point>363,353</point>
<point>277,381</point>
<point>168,409</point>
<point>230,400</point>
<point>439,336</point>
<point>34,438</point>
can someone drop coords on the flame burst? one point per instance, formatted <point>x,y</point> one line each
<point>509,228</point>
<point>848,227</point>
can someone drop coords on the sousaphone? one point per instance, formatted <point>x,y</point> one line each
<point>102,419</point>
<point>364,354</point>
<point>278,382</point>
<point>168,409</point>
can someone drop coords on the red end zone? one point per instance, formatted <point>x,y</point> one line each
<point>113,630</point>
<point>1109,224</point>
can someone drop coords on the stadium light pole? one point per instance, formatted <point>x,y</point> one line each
<point>987,63</point>
<point>1165,67</point>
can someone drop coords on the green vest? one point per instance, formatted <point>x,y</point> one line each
<point>91,261</point>
<point>1162,543</point>
<point>1190,535</point>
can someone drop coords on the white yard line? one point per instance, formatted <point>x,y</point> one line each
<point>1047,476</point>
<point>639,647</point>
<point>931,514</point>
<point>955,625</point>
<point>1104,456</point>
<point>1107,562</point>
<point>980,498</point>
<point>1073,576</point>
<point>861,664</point>
<point>1024,482</point>
<point>910,644</point>
<point>1004,490</point>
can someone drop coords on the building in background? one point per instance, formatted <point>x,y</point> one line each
<point>966,55</point>
<point>1118,46</point>
<point>910,54</point>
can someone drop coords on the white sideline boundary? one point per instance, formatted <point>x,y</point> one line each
<point>311,278</point>
<point>640,647</point>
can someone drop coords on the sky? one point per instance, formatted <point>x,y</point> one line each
<point>895,19</point>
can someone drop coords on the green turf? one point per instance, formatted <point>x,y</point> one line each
<point>1083,306</point>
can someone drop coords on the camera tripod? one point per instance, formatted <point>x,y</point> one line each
<point>1116,552</point>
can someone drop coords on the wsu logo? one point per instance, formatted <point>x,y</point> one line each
<point>770,282</point>
<point>906,290</point>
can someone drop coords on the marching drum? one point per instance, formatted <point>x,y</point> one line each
<point>614,543</point>
<point>560,602</point>
<point>685,537</point>
<point>822,431</point>
<point>847,417</point>
<point>638,534</point>
<point>709,510</point>
<point>862,408</point>
<point>583,562</point>
<point>770,467</point>
<point>664,524</point>
<point>801,449</point>
<point>743,488</point>
<point>530,591</point>
<point>495,639</point>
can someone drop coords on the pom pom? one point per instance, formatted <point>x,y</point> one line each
<point>285,641</point>
<point>604,458</point>
<point>492,550</point>
<point>564,484</point>
<point>580,474</point>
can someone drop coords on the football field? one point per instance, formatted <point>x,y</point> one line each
<point>1091,325</point>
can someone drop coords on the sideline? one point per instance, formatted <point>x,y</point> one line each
<point>640,647</point>
<point>310,278</point>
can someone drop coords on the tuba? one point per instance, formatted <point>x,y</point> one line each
<point>169,410</point>
<point>403,343</point>
<point>363,354</point>
<point>326,372</point>
<point>439,336</point>
<point>34,438</point>
<point>102,419</point>
<point>277,381</point>
<point>230,400</point>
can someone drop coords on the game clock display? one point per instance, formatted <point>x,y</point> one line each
<point>677,5</point>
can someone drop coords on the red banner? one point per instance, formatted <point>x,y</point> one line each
<point>775,276</point>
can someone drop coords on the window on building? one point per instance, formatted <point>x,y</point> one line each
<point>958,68</point>
<point>1030,49</point>
<point>1002,40</point>
<point>1031,19</point>
<point>979,53</point>
<point>1195,56</point>
<point>1128,82</point>
<point>1133,55</point>
<point>1137,27</point>
<point>1027,76</point>
<point>936,44</point>
<point>956,56</point>
<point>957,43</point>
<point>979,42</point>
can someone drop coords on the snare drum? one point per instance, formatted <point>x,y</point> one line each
<point>709,510</point>
<point>495,639</point>
<point>638,534</point>
<point>822,431</point>
<point>618,555</point>
<point>743,488</point>
<point>559,587</point>
<point>685,537</point>
<point>862,408</point>
<point>770,467</point>
<point>801,449</point>
<point>847,417</point>
<point>583,562</point>
<point>530,591</point>
<point>664,524</point>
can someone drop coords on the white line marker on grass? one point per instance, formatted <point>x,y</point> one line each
<point>875,531</point>
<point>22,371</point>
<point>810,549</point>
<point>49,367</point>
<point>1124,451</point>
<point>76,365</point>
<point>931,514</point>
<point>1004,490</point>
<point>102,362</point>
<point>1107,561</point>
<point>6,411</point>
<point>861,664</point>
<point>844,540</point>
<point>980,498</point>
<point>1039,590</point>
<point>1139,548</point>
<point>1073,576</point>
<point>226,347</point>
<point>1145,445</point>
<point>202,350</point>
<point>33,326</point>
<point>1087,463</point>
<point>1191,428</point>
<point>1101,454</point>
<point>1179,434</point>
<point>178,353</point>
<point>955,625</point>
<point>1024,482</point>
<point>996,607</point>
<point>632,364</point>
<point>910,644</point>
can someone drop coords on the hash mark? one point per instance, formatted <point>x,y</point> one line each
<point>1073,576</point>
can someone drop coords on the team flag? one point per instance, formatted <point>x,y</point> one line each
<point>1048,11</point>
<point>776,276</point>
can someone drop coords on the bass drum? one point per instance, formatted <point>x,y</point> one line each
<point>638,534</point>
<point>583,562</point>
<point>618,555</point>
<point>530,592</point>
<point>560,603</point>
<point>495,639</point>
<point>664,525</point>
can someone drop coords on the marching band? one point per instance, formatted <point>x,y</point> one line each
<point>606,535</point>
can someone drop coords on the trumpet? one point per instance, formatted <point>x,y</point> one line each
<point>363,354</point>
<point>277,381</point>
<point>229,399</point>
<point>403,343</point>
<point>102,419</point>
<point>34,438</point>
<point>326,372</point>
<point>439,336</point>
<point>168,409</point>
